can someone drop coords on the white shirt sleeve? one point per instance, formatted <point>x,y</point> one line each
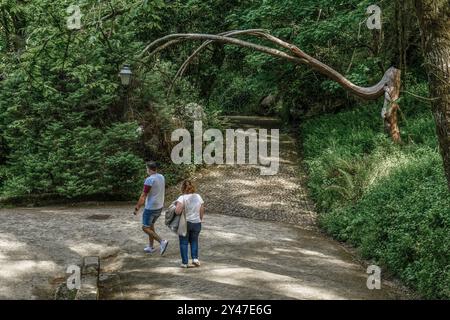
<point>149,181</point>
<point>200,199</point>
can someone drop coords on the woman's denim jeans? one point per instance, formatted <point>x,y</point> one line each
<point>193,231</point>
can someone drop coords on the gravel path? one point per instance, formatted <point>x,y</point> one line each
<point>259,241</point>
<point>242,191</point>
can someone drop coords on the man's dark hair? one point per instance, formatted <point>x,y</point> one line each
<point>152,165</point>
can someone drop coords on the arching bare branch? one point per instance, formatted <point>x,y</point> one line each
<point>223,39</point>
<point>389,85</point>
<point>367,93</point>
<point>186,63</point>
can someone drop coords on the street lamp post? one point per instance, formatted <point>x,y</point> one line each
<point>125,75</point>
<point>125,78</point>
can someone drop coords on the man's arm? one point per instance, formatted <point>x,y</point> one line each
<point>142,198</point>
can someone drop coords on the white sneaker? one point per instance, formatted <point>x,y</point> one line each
<point>149,249</point>
<point>196,263</point>
<point>163,246</point>
<point>185,266</point>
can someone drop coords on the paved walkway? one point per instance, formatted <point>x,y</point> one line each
<point>259,241</point>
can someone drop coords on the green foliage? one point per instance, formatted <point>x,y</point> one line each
<point>67,127</point>
<point>238,95</point>
<point>390,201</point>
<point>77,162</point>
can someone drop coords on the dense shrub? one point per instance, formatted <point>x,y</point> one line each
<point>389,201</point>
<point>77,162</point>
<point>67,125</point>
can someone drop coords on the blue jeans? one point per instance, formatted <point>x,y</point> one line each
<point>193,231</point>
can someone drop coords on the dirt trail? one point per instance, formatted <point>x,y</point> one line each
<point>259,241</point>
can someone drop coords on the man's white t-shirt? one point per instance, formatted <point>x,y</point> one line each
<point>192,203</point>
<point>155,198</point>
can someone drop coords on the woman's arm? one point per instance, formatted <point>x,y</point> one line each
<point>179,207</point>
<point>202,212</point>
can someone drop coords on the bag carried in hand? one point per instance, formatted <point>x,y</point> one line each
<point>176,223</point>
<point>172,219</point>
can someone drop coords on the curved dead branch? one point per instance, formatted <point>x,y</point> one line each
<point>389,85</point>
<point>186,63</point>
<point>368,93</point>
<point>175,38</point>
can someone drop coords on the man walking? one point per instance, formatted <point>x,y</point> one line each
<point>153,197</point>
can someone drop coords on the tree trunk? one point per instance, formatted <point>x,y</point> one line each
<point>434,20</point>
<point>390,108</point>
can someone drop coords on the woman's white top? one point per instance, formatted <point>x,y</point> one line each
<point>192,203</point>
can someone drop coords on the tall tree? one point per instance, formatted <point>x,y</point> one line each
<point>434,20</point>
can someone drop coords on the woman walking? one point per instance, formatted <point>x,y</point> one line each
<point>192,205</point>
